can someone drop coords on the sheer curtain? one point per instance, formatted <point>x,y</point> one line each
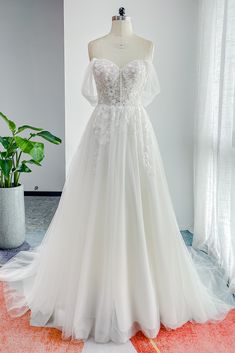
<point>214,166</point>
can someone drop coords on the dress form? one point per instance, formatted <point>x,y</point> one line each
<point>121,45</point>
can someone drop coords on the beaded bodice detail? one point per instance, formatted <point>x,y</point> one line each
<point>120,96</point>
<point>119,86</point>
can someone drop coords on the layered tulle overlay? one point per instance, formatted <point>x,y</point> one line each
<point>113,260</point>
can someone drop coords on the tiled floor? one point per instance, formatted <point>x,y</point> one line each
<point>39,211</point>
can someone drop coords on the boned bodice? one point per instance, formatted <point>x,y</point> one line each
<point>119,86</point>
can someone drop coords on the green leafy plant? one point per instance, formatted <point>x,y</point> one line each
<point>13,148</point>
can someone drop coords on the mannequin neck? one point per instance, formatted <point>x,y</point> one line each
<point>121,28</point>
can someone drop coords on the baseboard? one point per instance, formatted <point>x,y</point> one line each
<point>42,193</point>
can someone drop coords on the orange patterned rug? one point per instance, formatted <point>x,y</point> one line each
<point>191,338</point>
<point>16,335</point>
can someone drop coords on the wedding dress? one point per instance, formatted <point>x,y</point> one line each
<point>113,260</point>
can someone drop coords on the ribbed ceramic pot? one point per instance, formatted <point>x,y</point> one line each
<point>12,217</point>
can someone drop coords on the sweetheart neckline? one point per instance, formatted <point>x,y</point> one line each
<point>125,66</point>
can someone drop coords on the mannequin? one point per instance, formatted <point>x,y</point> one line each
<point>121,45</point>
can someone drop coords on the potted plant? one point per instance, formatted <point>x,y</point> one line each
<point>17,153</point>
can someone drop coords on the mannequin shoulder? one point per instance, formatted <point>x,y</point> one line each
<point>98,46</point>
<point>94,46</point>
<point>147,46</point>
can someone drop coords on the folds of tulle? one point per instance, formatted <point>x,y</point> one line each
<point>113,261</point>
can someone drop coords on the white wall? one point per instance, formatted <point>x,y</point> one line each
<point>171,24</point>
<point>32,78</point>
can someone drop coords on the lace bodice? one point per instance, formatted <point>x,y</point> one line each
<point>120,95</point>
<point>106,83</point>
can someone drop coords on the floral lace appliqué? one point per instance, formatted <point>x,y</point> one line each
<point>119,100</point>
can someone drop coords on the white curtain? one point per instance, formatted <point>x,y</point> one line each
<point>214,162</point>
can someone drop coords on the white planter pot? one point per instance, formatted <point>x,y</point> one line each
<point>12,217</point>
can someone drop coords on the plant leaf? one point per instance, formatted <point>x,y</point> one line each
<point>11,124</point>
<point>3,154</point>
<point>5,166</point>
<point>31,161</point>
<point>35,149</point>
<point>24,144</point>
<point>24,127</point>
<point>49,137</point>
<point>23,168</point>
<point>5,141</point>
<point>11,150</point>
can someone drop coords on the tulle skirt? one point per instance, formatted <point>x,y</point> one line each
<point>113,260</point>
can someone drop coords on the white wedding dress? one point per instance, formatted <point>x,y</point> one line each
<point>113,260</point>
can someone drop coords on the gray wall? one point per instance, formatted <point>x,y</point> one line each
<point>32,78</point>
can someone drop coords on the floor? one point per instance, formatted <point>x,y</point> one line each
<point>39,211</point>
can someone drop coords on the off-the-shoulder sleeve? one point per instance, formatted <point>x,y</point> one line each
<point>152,86</point>
<point>88,88</point>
